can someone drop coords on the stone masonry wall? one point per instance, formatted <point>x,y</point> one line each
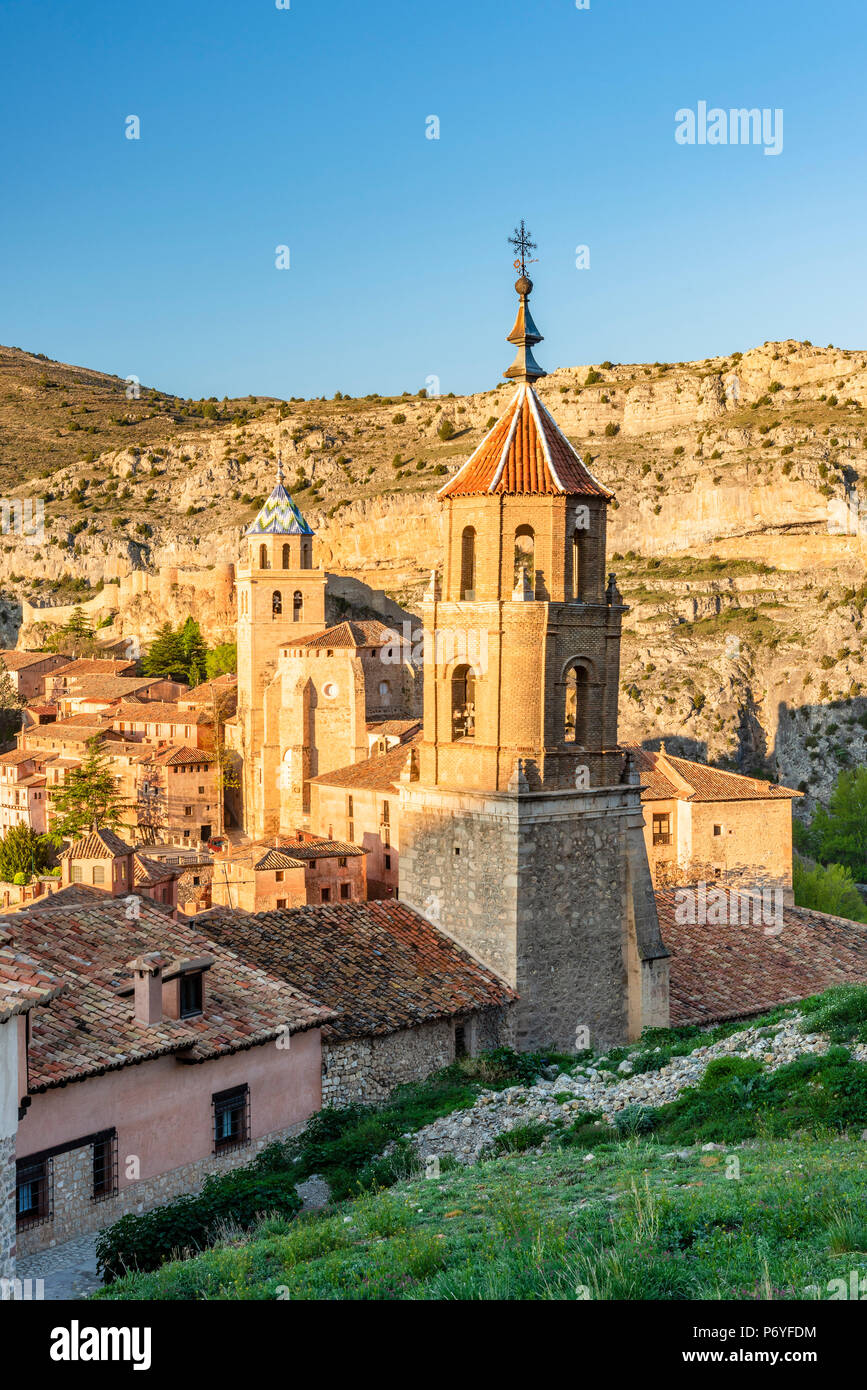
<point>365,1070</point>
<point>76,1212</point>
<point>536,886</point>
<point>7,1207</point>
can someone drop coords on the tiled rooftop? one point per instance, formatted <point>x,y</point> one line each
<point>350,636</point>
<point>91,1028</point>
<point>380,963</point>
<point>22,983</point>
<point>665,777</point>
<point>525,452</point>
<point>721,972</point>
<point>380,773</point>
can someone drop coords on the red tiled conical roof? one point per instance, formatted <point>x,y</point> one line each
<point>525,452</point>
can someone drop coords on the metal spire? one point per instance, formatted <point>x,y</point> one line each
<point>279,470</point>
<point>525,334</point>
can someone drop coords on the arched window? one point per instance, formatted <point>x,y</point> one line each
<point>577,576</point>
<point>286,556</point>
<point>297,606</point>
<point>264,562</point>
<point>525,555</point>
<point>468,563</point>
<point>276,604</point>
<point>306,555</point>
<point>575,730</point>
<point>463,703</point>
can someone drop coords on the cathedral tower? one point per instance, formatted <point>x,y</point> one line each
<point>281,598</point>
<point>521,835</point>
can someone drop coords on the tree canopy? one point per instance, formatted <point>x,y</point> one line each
<point>22,851</point>
<point>88,799</point>
<point>838,833</point>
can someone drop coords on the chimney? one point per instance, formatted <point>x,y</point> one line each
<point>147,972</point>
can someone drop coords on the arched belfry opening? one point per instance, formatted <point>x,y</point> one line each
<point>297,606</point>
<point>286,561</point>
<point>577,564</point>
<point>276,604</point>
<point>525,556</point>
<point>264,561</point>
<point>463,703</point>
<point>577,686</point>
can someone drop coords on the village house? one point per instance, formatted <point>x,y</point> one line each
<point>361,803</point>
<point>166,1058</point>
<point>29,670</point>
<point>23,986</point>
<point>176,795</point>
<point>700,821</point>
<point>407,998</point>
<point>289,871</point>
<point>99,694</point>
<point>103,861</point>
<point>159,723</point>
<point>23,794</point>
<point>66,678</point>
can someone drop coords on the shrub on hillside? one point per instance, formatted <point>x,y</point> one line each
<point>144,1242</point>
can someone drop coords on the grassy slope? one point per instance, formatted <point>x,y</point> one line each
<point>777,1206</point>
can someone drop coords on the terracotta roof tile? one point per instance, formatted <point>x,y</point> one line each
<point>382,965</point>
<point>91,1028</point>
<point>99,844</point>
<point>381,773</point>
<point>663,777</point>
<point>525,452</point>
<point>15,660</point>
<point>22,983</point>
<point>350,636</point>
<point>720,972</point>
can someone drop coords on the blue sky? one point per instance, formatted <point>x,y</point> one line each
<point>305,127</point>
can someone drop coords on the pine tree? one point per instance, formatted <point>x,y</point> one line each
<point>195,651</point>
<point>11,705</point>
<point>166,655</point>
<point>22,851</point>
<point>88,799</point>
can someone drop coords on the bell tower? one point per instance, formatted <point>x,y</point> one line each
<point>522,835</point>
<point>281,598</point>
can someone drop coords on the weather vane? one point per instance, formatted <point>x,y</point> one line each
<point>522,244</point>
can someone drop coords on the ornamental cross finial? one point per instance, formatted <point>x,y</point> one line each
<point>523,245</point>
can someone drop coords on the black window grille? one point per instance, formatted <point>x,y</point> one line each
<point>231,1119</point>
<point>34,1196</point>
<point>104,1166</point>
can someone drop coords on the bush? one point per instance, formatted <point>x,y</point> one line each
<point>445,430</point>
<point>635,1119</point>
<point>593,377</point>
<point>191,1223</point>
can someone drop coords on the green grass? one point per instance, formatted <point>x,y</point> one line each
<point>763,1221</point>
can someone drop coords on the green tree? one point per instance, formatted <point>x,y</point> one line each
<point>166,656</point>
<point>11,705</point>
<point>838,834</point>
<point>88,799</point>
<point>221,660</point>
<point>195,651</point>
<point>827,888</point>
<point>22,851</point>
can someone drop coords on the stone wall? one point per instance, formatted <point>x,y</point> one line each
<point>76,1212</point>
<point>540,888</point>
<point>365,1070</point>
<point>7,1207</point>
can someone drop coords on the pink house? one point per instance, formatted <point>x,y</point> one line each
<point>23,793</point>
<point>166,1058</point>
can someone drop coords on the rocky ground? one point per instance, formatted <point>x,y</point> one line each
<point>563,1095</point>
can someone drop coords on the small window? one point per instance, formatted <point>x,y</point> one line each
<point>661,828</point>
<point>188,810</point>
<point>201,791</point>
<point>231,1119</point>
<point>104,1167</point>
<point>278,875</point>
<point>191,994</point>
<point>99,873</point>
<point>387,861</point>
<point>341,863</point>
<point>324,895</point>
<point>386,813</point>
<point>281,902</point>
<point>350,830</point>
<point>345,890</point>
<point>717,830</point>
<point>33,1193</point>
<point>77,874</point>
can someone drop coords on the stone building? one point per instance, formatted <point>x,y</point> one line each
<point>23,791</point>
<point>165,1058</point>
<point>281,596</point>
<point>406,999</point>
<point>521,835</point>
<point>28,670</point>
<point>23,986</point>
<point>361,802</point>
<point>176,795</point>
<point>701,822</point>
<point>289,871</point>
